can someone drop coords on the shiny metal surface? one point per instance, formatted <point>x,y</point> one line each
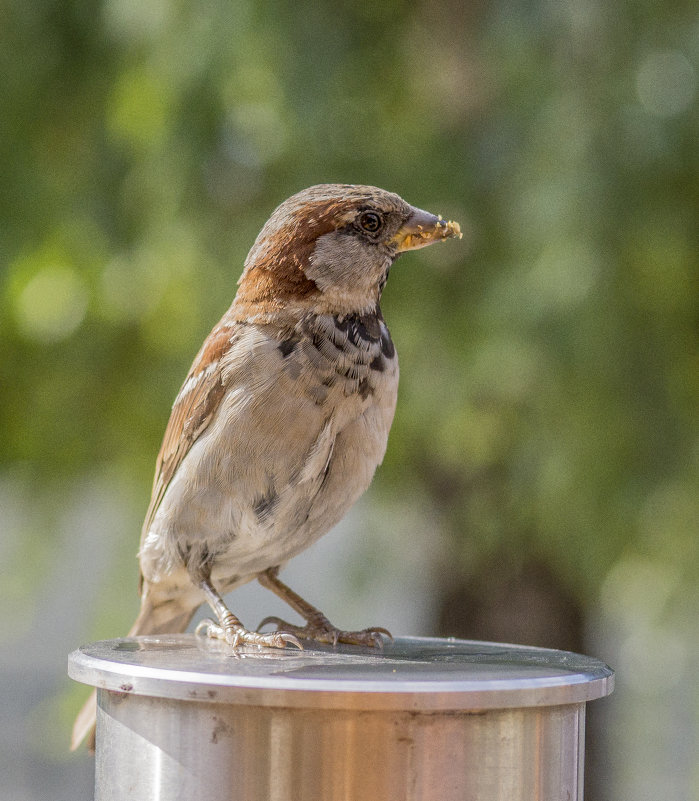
<point>409,673</point>
<point>426,719</point>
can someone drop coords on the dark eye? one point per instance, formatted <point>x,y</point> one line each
<point>370,221</point>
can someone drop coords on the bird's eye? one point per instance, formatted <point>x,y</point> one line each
<point>370,221</point>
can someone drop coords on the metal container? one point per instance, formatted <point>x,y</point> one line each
<point>180,717</point>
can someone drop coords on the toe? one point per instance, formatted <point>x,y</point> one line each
<point>275,621</point>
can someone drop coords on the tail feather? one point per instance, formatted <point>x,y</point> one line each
<point>168,618</point>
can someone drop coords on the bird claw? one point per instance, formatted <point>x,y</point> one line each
<point>321,630</point>
<point>378,631</point>
<point>237,636</point>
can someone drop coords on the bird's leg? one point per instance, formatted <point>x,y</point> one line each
<point>317,627</point>
<point>230,629</point>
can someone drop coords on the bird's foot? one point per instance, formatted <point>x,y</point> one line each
<point>320,629</point>
<point>236,635</point>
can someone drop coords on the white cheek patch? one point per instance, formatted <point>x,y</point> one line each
<point>337,261</point>
<point>347,270</point>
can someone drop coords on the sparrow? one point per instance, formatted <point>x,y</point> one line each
<point>282,420</point>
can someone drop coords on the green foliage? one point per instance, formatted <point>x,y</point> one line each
<point>550,364</point>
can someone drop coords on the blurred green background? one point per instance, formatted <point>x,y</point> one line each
<point>542,479</point>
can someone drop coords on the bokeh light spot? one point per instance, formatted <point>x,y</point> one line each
<point>666,83</point>
<point>138,110</point>
<point>52,304</point>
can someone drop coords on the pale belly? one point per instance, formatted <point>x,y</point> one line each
<point>256,489</point>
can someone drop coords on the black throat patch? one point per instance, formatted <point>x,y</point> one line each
<point>364,330</point>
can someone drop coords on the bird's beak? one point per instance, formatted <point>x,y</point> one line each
<point>422,229</point>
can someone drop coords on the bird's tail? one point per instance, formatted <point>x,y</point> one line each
<point>154,618</point>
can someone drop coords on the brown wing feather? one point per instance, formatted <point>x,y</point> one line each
<point>192,412</point>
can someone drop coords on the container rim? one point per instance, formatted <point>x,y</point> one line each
<point>409,673</point>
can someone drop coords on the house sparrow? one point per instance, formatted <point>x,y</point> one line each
<point>282,419</point>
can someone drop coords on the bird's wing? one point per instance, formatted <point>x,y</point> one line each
<point>193,410</point>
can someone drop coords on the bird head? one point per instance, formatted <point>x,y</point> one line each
<point>330,247</point>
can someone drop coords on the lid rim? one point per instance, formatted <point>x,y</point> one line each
<point>452,674</point>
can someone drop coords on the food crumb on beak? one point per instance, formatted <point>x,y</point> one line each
<point>420,235</point>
